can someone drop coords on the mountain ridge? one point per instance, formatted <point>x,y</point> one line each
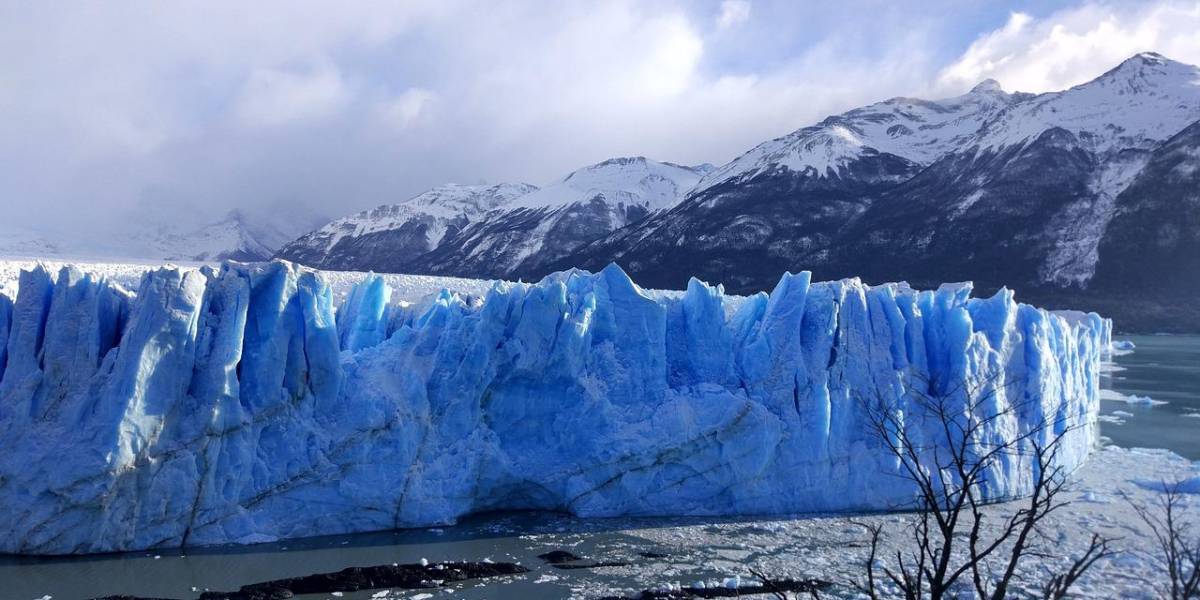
<point>1005,189</point>
<point>527,222</point>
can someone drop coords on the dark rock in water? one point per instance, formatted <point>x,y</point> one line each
<point>561,559</point>
<point>266,594</point>
<point>769,587</point>
<point>122,597</point>
<point>353,579</point>
<point>591,564</point>
<point>651,554</point>
<point>558,557</point>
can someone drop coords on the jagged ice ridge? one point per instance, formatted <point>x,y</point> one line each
<point>237,405</point>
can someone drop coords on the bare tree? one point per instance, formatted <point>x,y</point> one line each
<point>949,463</point>
<point>1060,584</point>
<point>1178,545</point>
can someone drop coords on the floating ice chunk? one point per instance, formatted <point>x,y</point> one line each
<point>1133,399</point>
<point>1144,400</point>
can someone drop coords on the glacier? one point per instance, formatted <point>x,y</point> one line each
<point>238,404</point>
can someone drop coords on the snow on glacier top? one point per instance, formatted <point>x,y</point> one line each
<point>406,289</point>
<point>634,180</point>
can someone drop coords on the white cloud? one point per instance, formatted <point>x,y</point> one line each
<point>733,12</point>
<point>272,97</point>
<point>670,62</point>
<point>405,109</point>
<point>1075,45</point>
<point>224,104</point>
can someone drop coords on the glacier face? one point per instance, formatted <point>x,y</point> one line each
<point>237,405</point>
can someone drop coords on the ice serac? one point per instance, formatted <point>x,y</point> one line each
<point>5,322</point>
<point>236,405</point>
<point>362,320</point>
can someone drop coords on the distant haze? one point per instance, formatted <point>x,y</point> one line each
<point>115,115</point>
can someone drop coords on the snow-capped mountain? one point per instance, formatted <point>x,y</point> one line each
<point>519,240</point>
<point>1002,188</point>
<point>231,238</point>
<point>21,243</point>
<point>903,134</point>
<point>389,237</point>
<point>628,184</point>
<point>1138,104</point>
<point>505,229</point>
<point>1020,190</point>
<point>235,236</point>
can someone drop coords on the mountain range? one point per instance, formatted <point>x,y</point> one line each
<point>501,230</point>
<point>1085,198</point>
<point>233,236</point>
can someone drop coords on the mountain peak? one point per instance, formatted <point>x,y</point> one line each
<point>987,86</point>
<point>1144,63</point>
<point>621,161</point>
<point>1152,58</point>
<point>235,215</point>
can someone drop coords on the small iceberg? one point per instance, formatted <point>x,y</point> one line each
<point>1134,399</point>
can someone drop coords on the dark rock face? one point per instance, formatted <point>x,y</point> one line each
<point>1149,258</point>
<point>745,233</point>
<point>974,216</point>
<point>394,250</point>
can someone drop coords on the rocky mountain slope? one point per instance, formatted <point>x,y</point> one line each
<point>508,229</point>
<point>390,237</point>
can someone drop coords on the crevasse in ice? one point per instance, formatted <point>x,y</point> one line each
<point>237,405</point>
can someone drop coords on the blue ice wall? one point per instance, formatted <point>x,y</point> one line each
<point>237,406</point>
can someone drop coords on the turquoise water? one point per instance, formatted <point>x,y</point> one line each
<point>1165,369</point>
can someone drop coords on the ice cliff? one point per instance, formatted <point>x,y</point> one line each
<point>237,405</point>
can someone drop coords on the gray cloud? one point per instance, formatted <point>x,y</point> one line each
<point>153,111</point>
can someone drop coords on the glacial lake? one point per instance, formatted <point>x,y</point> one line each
<point>1163,368</point>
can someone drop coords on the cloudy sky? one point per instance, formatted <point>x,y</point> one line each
<point>116,111</point>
